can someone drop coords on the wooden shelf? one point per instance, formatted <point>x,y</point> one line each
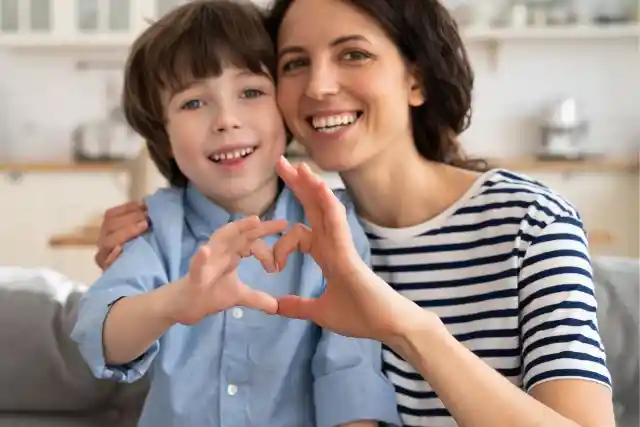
<point>86,236</point>
<point>62,167</point>
<point>559,32</point>
<point>532,164</point>
<point>588,165</point>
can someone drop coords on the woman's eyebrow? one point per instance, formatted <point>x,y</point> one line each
<point>340,40</point>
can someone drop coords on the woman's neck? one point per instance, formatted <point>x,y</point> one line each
<point>399,188</point>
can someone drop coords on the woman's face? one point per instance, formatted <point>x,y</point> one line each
<point>343,88</point>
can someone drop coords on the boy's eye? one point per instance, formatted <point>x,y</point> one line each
<point>293,64</point>
<point>252,93</point>
<point>192,104</point>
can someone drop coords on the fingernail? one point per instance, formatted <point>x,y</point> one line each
<point>142,225</point>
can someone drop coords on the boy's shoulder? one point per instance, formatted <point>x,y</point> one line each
<point>165,212</point>
<point>165,206</point>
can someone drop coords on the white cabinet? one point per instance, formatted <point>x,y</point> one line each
<point>26,16</point>
<point>44,23</point>
<point>37,206</point>
<point>83,23</point>
<point>103,16</point>
<point>161,7</point>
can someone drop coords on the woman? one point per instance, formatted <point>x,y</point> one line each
<point>490,316</point>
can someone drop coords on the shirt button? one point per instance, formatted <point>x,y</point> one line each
<point>232,389</point>
<point>237,313</point>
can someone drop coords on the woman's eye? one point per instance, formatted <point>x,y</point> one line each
<point>252,93</point>
<point>192,104</point>
<point>356,56</point>
<point>293,64</point>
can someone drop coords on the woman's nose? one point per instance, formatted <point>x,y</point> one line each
<point>323,82</point>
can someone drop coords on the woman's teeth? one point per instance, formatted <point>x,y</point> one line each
<point>333,123</point>
<point>232,155</point>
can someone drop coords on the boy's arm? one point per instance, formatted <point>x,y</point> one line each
<point>350,389</point>
<point>118,322</point>
<point>133,325</point>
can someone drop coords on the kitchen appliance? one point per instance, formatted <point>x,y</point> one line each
<point>563,131</point>
<point>109,138</point>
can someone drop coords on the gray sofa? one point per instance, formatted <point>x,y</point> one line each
<point>44,382</point>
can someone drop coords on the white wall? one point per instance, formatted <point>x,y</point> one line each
<point>43,98</point>
<point>603,75</point>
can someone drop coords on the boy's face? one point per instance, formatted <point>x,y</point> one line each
<point>226,136</point>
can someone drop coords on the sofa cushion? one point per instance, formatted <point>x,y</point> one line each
<point>617,285</point>
<point>40,366</point>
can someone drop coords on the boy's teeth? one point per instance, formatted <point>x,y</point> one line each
<point>230,155</point>
<point>333,123</point>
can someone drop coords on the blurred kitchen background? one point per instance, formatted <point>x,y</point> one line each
<point>557,97</point>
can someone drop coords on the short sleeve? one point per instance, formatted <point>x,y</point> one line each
<point>558,323</point>
<point>136,271</point>
<point>349,384</point>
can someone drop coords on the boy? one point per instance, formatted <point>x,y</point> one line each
<point>198,88</point>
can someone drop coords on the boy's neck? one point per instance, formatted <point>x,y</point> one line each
<point>256,203</point>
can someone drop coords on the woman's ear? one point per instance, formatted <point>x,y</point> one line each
<point>417,95</point>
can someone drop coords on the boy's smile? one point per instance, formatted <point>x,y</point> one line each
<point>231,155</point>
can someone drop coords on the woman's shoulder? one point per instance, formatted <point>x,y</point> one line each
<point>505,192</point>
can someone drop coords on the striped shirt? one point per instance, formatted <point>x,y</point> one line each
<point>507,269</point>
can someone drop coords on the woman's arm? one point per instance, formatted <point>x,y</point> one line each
<point>476,395</point>
<point>359,303</point>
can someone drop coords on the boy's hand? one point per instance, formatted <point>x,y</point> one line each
<point>212,284</point>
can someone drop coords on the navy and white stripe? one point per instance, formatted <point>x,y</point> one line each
<point>508,271</point>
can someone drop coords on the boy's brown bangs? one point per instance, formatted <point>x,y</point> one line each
<point>207,46</point>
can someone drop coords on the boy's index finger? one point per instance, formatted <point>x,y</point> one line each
<point>267,228</point>
<point>235,229</point>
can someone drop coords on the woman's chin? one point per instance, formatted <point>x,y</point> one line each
<point>330,162</point>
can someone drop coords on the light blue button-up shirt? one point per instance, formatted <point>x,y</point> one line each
<point>241,367</point>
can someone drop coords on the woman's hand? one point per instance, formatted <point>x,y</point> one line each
<point>119,225</point>
<point>356,301</point>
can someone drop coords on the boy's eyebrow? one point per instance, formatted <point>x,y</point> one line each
<point>181,88</point>
<point>336,42</point>
<point>249,73</point>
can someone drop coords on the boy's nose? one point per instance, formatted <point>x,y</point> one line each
<point>223,128</point>
<point>225,121</point>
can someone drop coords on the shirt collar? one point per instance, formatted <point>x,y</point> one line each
<point>205,216</point>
